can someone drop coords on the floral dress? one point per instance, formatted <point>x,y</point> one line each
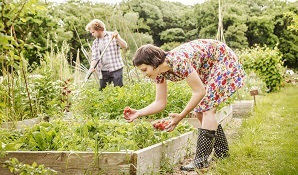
<point>216,64</point>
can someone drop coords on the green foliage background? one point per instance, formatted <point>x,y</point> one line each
<point>35,26</point>
<point>39,37</point>
<point>110,102</point>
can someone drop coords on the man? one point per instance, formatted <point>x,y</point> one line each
<point>110,67</point>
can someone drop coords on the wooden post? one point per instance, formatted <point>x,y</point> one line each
<point>254,93</point>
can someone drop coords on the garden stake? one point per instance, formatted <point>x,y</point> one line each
<point>101,55</point>
<point>254,93</point>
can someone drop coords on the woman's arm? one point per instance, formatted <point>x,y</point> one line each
<point>160,101</point>
<point>198,92</point>
<point>158,105</point>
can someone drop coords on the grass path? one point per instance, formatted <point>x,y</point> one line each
<point>268,139</point>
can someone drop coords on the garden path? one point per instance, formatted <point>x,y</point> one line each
<point>231,131</point>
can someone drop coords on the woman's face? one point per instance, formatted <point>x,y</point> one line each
<point>148,71</point>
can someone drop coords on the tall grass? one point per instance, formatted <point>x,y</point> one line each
<point>268,139</point>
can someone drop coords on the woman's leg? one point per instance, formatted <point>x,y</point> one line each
<point>221,146</point>
<point>209,120</point>
<point>199,116</point>
<point>205,141</point>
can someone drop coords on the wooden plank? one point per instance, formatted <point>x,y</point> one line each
<point>242,108</point>
<point>21,124</point>
<point>192,121</point>
<point>148,160</point>
<point>226,120</point>
<point>223,116</point>
<point>74,163</point>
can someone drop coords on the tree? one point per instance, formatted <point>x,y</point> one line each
<point>260,30</point>
<point>235,36</point>
<point>234,18</point>
<point>294,21</point>
<point>173,34</point>
<point>28,25</point>
<point>288,40</point>
<point>207,19</point>
<point>151,15</point>
<point>73,20</point>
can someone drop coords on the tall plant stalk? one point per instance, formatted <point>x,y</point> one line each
<point>23,71</point>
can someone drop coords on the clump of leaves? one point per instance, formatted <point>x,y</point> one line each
<point>88,135</point>
<point>266,63</point>
<point>15,166</point>
<point>110,102</point>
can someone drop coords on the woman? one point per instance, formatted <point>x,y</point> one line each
<point>213,72</point>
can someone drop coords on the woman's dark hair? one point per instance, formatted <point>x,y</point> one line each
<point>150,55</point>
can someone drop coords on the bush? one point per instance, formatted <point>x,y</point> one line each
<point>266,63</point>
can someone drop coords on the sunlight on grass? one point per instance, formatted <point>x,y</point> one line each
<point>268,142</point>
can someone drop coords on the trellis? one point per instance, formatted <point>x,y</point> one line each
<point>220,33</point>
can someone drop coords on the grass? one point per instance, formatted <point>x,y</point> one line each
<point>268,139</point>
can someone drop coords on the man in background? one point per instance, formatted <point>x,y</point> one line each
<point>110,67</point>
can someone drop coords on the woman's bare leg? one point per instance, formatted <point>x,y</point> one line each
<point>199,116</point>
<point>205,140</point>
<point>209,120</point>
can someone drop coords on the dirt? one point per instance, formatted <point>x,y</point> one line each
<point>231,131</point>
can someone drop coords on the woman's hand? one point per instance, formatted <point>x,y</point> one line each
<point>130,114</point>
<point>176,118</point>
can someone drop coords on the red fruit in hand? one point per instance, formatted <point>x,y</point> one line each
<point>161,124</point>
<point>126,109</point>
<point>126,112</point>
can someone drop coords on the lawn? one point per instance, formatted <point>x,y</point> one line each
<point>268,138</point>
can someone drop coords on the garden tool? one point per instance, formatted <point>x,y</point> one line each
<point>99,59</point>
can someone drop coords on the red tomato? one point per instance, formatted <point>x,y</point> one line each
<point>161,124</point>
<point>126,112</point>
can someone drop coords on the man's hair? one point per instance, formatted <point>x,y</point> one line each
<point>150,55</point>
<point>95,24</point>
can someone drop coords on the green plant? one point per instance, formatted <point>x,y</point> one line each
<point>166,165</point>
<point>266,63</point>
<point>110,102</point>
<point>87,135</point>
<point>20,168</point>
<point>45,95</point>
<point>65,98</point>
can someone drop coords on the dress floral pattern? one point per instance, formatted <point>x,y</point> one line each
<point>216,64</point>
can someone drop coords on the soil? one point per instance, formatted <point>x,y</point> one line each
<point>231,131</point>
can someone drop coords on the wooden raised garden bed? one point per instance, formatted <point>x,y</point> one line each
<point>144,161</point>
<point>21,124</point>
<point>127,162</point>
<point>223,116</point>
<point>242,108</point>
